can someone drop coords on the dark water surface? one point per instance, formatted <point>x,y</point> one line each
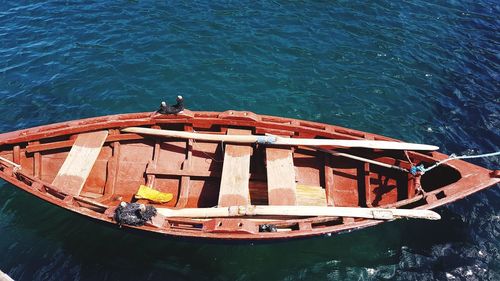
<point>421,71</point>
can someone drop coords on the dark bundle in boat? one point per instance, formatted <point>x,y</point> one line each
<point>233,175</point>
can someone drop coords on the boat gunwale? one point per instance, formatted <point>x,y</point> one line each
<point>147,118</point>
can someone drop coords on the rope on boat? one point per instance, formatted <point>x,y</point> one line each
<point>422,170</point>
<point>266,139</point>
<point>133,214</point>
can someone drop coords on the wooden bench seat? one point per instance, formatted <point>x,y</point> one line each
<point>281,183</point>
<point>79,162</point>
<point>234,190</point>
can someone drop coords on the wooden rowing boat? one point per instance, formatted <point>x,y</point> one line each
<point>233,175</point>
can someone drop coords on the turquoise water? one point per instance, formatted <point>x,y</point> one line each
<point>421,71</point>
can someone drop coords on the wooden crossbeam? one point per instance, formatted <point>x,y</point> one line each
<point>185,182</point>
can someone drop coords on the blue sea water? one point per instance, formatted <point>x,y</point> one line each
<point>421,71</point>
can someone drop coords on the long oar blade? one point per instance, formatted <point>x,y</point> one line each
<point>241,211</point>
<point>374,144</point>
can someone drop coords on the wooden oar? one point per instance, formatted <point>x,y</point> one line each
<point>240,211</point>
<point>362,159</point>
<point>10,162</point>
<point>5,277</point>
<point>275,140</point>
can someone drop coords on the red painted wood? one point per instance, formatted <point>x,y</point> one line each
<point>121,167</point>
<point>329,181</point>
<point>281,184</point>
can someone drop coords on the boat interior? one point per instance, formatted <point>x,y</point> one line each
<point>104,167</point>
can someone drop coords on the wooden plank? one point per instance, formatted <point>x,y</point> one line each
<point>368,189</point>
<point>37,162</point>
<point>16,158</point>
<point>191,172</point>
<point>151,170</point>
<point>308,195</point>
<point>156,153</point>
<point>345,173</point>
<point>39,147</point>
<point>329,183</point>
<point>112,169</point>
<point>185,181</point>
<point>234,188</point>
<point>280,176</point>
<point>79,162</point>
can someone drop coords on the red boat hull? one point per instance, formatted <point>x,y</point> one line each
<point>194,173</point>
